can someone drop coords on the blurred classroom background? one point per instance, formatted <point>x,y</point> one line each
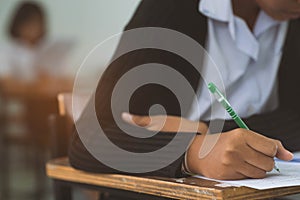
<point>42,44</point>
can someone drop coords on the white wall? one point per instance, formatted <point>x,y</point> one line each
<point>88,22</point>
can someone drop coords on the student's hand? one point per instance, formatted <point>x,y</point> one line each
<point>165,123</point>
<point>238,154</point>
<point>281,9</point>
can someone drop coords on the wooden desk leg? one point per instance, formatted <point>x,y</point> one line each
<point>39,172</point>
<point>5,173</point>
<point>62,191</point>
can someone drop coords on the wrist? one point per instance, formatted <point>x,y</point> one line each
<point>184,168</point>
<point>192,155</point>
<point>202,128</point>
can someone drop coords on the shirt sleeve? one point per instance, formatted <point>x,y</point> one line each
<point>141,100</point>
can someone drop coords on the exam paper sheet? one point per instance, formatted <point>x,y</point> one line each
<point>289,176</point>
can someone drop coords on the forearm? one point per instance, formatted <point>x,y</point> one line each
<point>192,154</point>
<point>81,158</point>
<point>202,128</point>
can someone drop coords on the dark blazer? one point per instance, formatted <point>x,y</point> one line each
<point>183,16</point>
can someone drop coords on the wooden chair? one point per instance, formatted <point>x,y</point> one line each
<point>31,140</point>
<point>62,125</point>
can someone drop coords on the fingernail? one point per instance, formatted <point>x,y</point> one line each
<point>291,154</point>
<point>127,117</point>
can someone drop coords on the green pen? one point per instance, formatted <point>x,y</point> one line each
<point>224,102</point>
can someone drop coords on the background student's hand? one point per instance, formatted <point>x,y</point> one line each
<point>165,123</point>
<point>281,9</point>
<point>238,154</point>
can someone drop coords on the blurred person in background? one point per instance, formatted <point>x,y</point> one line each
<point>27,31</point>
<point>33,68</point>
<point>32,72</point>
<point>30,55</point>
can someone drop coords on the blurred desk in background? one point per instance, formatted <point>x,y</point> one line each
<point>46,87</point>
<point>38,101</point>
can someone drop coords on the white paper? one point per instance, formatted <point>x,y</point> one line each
<point>297,155</point>
<point>289,176</point>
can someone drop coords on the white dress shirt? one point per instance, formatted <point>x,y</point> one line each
<point>25,63</point>
<point>18,61</point>
<point>248,61</point>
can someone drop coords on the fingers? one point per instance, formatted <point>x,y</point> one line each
<point>259,160</point>
<point>247,161</point>
<point>127,118</point>
<point>260,143</point>
<point>136,119</point>
<point>238,154</point>
<point>251,171</point>
<point>164,123</point>
<point>282,153</point>
<point>267,146</point>
<point>243,163</point>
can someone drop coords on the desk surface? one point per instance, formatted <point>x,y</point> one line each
<point>38,100</point>
<point>46,87</point>
<point>187,188</point>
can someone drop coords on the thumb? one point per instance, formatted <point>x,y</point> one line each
<point>136,120</point>
<point>283,153</point>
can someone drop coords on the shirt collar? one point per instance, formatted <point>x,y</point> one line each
<point>221,10</point>
<point>263,23</point>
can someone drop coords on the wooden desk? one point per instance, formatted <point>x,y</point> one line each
<point>188,188</point>
<point>38,100</point>
<point>44,87</point>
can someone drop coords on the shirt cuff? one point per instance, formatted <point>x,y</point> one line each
<point>184,168</point>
